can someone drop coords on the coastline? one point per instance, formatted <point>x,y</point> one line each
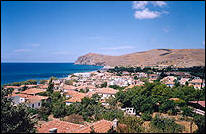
<point>63,74</point>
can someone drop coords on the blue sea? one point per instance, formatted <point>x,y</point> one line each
<point>16,72</point>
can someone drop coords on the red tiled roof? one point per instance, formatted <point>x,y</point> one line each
<point>106,91</point>
<point>33,91</point>
<point>69,87</point>
<point>43,86</point>
<point>31,98</point>
<point>101,126</point>
<point>62,126</point>
<point>202,103</point>
<point>12,87</point>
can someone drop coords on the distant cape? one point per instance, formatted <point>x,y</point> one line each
<point>175,57</point>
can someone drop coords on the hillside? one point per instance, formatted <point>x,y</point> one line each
<point>177,57</point>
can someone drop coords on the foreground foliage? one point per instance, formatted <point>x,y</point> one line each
<point>15,119</point>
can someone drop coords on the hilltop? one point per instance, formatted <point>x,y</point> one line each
<point>175,57</point>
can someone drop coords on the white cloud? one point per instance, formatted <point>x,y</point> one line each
<point>118,48</point>
<point>35,45</point>
<point>139,4</point>
<point>203,42</point>
<point>146,14</point>
<point>159,3</point>
<point>22,50</point>
<point>143,12</point>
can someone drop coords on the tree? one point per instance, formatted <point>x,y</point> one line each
<point>43,81</point>
<point>104,85</point>
<point>135,77</point>
<point>165,125</point>
<point>146,116</point>
<point>15,119</point>
<point>167,105</point>
<point>69,82</point>
<point>200,122</point>
<point>24,88</point>
<point>74,118</point>
<point>133,124</point>
<point>50,88</point>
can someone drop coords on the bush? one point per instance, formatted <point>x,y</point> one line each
<point>146,116</point>
<point>43,81</point>
<point>69,82</point>
<point>165,125</point>
<point>186,111</point>
<point>74,118</point>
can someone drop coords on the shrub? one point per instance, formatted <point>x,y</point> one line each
<point>146,116</point>
<point>165,125</point>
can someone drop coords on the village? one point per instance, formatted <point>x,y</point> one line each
<point>106,84</point>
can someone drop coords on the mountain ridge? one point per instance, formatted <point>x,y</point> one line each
<point>153,57</point>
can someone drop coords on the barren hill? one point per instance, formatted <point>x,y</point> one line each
<point>177,57</point>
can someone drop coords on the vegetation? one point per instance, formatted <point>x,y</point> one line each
<point>133,123</point>
<point>146,116</point>
<point>28,82</point>
<point>74,118</point>
<point>154,97</point>
<point>116,87</point>
<point>104,85</point>
<point>50,88</point>
<point>200,122</point>
<point>14,119</point>
<point>69,82</point>
<point>43,81</point>
<point>165,125</point>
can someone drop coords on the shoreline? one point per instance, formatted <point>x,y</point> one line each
<point>62,77</point>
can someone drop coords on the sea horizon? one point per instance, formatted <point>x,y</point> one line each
<point>17,72</point>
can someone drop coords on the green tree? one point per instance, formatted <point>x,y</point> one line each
<point>104,85</point>
<point>50,88</point>
<point>43,81</point>
<point>146,116</point>
<point>15,119</point>
<point>200,122</point>
<point>69,82</point>
<point>165,125</point>
<point>133,124</point>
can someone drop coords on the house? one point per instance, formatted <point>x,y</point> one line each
<point>170,83</point>
<point>105,93</point>
<point>41,86</point>
<point>58,126</point>
<point>73,100</point>
<point>101,126</point>
<point>72,93</point>
<point>125,73</point>
<point>14,87</point>
<point>129,110</point>
<point>56,82</point>
<point>197,83</point>
<point>33,91</point>
<point>199,107</point>
<point>182,81</point>
<point>153,76</point>
<point>68,87</point>
<point>29,100</point>
<point>74,96</point>
<point>83,74</point>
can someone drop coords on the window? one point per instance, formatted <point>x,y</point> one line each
<point>32,105</point>
<point>39,104</point>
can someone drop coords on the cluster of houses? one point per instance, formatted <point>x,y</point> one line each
<point>29,97</point>
<point>90,83</point>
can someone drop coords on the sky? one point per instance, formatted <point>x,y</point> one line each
<point>51,31</point>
